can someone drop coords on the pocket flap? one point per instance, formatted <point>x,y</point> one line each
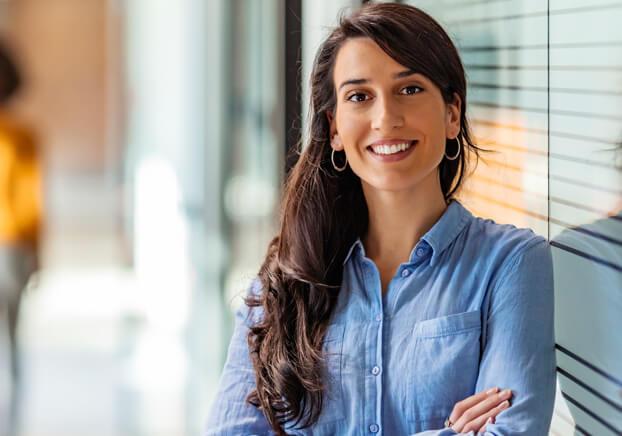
<point>448,325</point>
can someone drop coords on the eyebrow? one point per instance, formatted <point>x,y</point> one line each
<point>399,75</point>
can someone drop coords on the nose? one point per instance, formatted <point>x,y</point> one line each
<point>386,115</point>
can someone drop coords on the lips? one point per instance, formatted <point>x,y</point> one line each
<point>386,148</point>
<point>393,157</point>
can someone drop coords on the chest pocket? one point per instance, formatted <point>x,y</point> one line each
<point>445,364</point>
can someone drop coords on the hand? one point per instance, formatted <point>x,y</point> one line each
<point>476,411</point>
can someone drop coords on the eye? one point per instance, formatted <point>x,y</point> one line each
<point>410,90</point>
<point>357,97</point>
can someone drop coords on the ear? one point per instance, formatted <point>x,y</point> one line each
<point>335,140</point>
<point>452,119</point>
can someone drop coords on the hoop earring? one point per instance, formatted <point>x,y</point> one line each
<point>332,159</point>
<point>459,148</point>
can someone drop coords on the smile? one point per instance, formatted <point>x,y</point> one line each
<point>392,152</point>
<point>391,149</point>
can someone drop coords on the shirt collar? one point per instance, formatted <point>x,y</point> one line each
<point>356,246</point>
<point>446,229</point>
<point>439,237</point>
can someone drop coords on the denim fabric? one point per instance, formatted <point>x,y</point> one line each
<point>472,308</point>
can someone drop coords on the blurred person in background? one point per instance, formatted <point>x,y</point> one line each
<point>20,227</point>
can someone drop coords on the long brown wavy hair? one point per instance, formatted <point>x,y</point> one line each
<point>323,212</point>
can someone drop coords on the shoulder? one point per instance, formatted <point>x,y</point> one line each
<point>504,240</point>
<point>250,315</point>
<point>505,244</point>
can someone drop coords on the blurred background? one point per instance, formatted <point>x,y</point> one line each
<point>147,146</point>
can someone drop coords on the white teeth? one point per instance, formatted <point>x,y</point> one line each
<point>390,149</point>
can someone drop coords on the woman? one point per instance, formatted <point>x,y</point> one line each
<point>383,304</point>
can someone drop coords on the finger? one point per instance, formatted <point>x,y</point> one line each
<point>467,403</point>
<point>482,420</point>
<point>461,407</point>
<point>482,429</point>
<point>476,417</point>
<point>488,404</point>
<point>482,408</point>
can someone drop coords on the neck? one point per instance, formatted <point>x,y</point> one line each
<point>398,219</point>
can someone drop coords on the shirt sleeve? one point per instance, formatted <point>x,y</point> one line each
<point>519,348</point>
<point>231,414</point>
<point>519,352</point>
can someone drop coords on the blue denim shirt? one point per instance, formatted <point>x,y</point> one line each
<point>472,308</point>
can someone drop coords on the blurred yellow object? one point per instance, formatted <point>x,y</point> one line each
<point>20,189</point>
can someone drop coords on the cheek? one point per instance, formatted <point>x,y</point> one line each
<point>349,121</point>
<point>430,125</point>
<point>426,118</point>
<point>353,131</point>
<point>357,158</point>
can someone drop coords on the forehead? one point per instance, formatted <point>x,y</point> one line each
<point>362,58</point>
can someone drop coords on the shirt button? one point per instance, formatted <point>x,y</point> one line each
<point>405,273</point>
<point>375,370</point>
<point>378,317</point>
<point>374,428</point>
<point>420,252</point>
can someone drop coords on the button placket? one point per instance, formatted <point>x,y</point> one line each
<point>373,276</point>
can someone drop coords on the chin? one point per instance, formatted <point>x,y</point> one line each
<point>392,183</point>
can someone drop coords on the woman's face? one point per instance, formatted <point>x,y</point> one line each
<point>392,123</point>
